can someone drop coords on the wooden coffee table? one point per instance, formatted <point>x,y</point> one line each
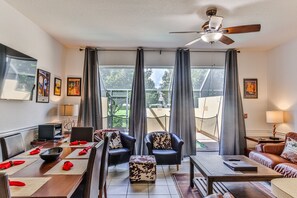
<point>214,170</point>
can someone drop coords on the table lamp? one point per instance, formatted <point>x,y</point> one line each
<point>69,110</point>
<point>274,117</point>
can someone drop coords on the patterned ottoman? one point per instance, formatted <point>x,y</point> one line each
<point>142,168</point>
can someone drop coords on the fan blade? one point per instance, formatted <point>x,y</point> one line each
<point>226,40</point>
<point>185,32</point>
<point>215,22</point>
<point>242,29</point>
<point>192,42</point>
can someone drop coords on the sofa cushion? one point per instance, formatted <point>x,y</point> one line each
<point>267,159</point>
<point>287,169</point>
<point>290,150</point>
<point>161,140</point>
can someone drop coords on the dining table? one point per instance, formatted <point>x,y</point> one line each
<point>48,179</point>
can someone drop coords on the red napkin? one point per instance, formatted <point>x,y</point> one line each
<point>78,143</point>
<point>84,151</point>
<point>16,183</point>
<point>35,151</point>
<point>67,165</point>
<point>5,165</point>
<point>83,142</point>
<point>9,164</point>
<point>17,162</point>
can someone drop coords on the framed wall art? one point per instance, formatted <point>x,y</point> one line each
<point>73,86</point>
<point>57,86</point>
<point>43,86</point>
<point>250,88</point>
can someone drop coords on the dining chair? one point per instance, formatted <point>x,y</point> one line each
<point>12,145</point>
<point>82,133</point>
<point>104,167</point>
<point>89,188</point>
<point>4,186</point>
<point>93,171</point>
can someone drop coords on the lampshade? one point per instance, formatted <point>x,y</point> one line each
<point>69,110</point>
<point>274,117</point>
<point>211,37</point>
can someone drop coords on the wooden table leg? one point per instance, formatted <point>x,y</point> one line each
<point>209,186</point>
<point>191,174</point>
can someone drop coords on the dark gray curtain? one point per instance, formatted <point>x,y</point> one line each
<point>137,119</point>
<point>90,111</point>
<point>232,140</point>
<point>3,66</point>
<point>182,117</point>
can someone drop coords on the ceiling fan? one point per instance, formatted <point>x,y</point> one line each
<point>212,30</point>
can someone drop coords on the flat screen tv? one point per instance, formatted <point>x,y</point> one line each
<point>17,74</point>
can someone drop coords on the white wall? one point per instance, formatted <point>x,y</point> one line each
<point>20,33</point>
<point>253,64</point>
<point>282,83</point>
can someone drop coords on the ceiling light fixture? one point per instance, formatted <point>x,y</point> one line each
<point>211,37</point>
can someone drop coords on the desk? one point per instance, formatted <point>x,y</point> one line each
<point>59,185</point>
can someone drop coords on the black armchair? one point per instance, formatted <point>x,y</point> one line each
<point>118,155</point>
<point>166,156</point>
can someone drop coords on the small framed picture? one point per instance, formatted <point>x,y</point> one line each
<point>43,86</point>
<point>250,88</point>
<point>57,86</point>
<point>73,86</point>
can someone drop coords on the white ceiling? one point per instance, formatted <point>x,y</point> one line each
<point>146,23</point>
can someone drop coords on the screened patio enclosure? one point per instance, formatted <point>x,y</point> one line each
<point>207,90</point>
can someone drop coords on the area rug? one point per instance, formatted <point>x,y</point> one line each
<point>237,189</point>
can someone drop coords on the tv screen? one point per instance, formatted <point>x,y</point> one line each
<point>17,74</point>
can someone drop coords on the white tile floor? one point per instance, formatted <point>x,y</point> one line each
<point>118,184</point>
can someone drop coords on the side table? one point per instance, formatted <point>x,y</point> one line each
<point>260,139</point>
<point>263,139</point>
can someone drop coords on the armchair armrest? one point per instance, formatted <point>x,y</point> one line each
<point>149,144</point>
<point>271,148</point>
<point>128,141</point>
<point>177,143</point>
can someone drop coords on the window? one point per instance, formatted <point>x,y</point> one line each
<point>158,81</point>
<point>208,91</point>
<point>116,85</point>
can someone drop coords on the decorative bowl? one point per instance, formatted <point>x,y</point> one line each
<point>51,154</point>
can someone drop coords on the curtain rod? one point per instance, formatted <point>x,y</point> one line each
<point>155,50</point>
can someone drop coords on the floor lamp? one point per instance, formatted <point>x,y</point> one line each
<point>69,110</point>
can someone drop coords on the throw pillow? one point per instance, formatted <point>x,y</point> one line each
<point>290,150</point>
<point>115,138</point>
<point>161,141</point>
